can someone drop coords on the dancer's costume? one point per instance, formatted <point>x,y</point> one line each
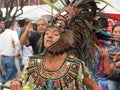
<point>73,20</point>
<point>68,77</point>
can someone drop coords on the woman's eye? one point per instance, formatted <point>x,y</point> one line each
<point>46,33</point>
<point>56,34</point>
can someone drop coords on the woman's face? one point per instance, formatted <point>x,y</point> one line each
<point>116,31</point>
<point>51,36</point>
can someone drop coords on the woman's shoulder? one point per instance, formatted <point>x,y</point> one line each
<point>74,59</point>
<point>79,65</point>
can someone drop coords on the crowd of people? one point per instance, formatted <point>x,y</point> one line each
<point>44,58</point>
<point>17,46</point>
<point>108,53</point>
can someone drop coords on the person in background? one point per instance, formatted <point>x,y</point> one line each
<point>9,51</point>
<point>21,24</point>
<point>2,20</point>
<point>102,66</point>
<point>57,68</point>
<point>26,51</point>
<point>103,25</point>
<point>33,38</point>
<point>114,52</point>
<point>19,28</point>
<point>2,26</point>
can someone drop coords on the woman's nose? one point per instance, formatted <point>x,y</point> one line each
<point>50,35</point>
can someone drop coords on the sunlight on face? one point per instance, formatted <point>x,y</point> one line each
<point>51,36</point>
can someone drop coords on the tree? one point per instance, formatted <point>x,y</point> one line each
<point>14,8</point>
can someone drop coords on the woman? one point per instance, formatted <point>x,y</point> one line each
<point>57,68</point>
<point>102,67</point>
<point>114,53</point>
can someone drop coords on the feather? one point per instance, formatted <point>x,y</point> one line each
<point>106,3</point>
<point>73,1</point>
<point>79,1</point>
<point>59,4</point>
<point>51,4</point>
<point>64,3</point>
<point>104,35</point>
<point>67,2</point>
<point>76,15</point>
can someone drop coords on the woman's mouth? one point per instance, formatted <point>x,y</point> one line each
<point>49,41</point>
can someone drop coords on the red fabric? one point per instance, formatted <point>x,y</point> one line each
<point>114,16</point>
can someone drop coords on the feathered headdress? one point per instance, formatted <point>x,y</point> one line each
<point>76,16</point>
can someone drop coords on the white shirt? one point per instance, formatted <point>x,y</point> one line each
<point>26,52</point>
<point>9,43</point>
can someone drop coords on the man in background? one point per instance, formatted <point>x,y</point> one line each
<point>34,38</point>
<point>9,50</point>
<point>2,21</point>
<point>103,25</point>
<point>26,51</point>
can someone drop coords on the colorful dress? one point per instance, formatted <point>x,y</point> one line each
<point>101,77</point>
<point>114,77</point>
<point>68,77</point>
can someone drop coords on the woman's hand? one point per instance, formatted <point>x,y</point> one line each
<point>15,85</point>
<point>29,28</point>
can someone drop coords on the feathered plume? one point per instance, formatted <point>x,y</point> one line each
<point>76,15</point>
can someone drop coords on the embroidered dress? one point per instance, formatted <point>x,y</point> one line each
<point>68,77</point>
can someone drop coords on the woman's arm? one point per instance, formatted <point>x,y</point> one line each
<point>90,83</point>
<point>107,66</point>
<point>24,37</point>
<point>87,79</point>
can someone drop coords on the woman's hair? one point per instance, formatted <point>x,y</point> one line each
<point>114,26</point>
